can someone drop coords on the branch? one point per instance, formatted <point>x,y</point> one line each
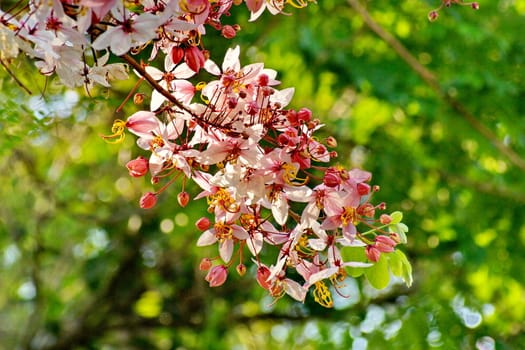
<point>430,79</point>
<point>154,84</point>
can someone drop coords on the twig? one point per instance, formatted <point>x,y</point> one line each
<point>430,79</point>
<point>15,78</point>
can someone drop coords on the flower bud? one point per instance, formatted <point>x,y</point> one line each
<point>154,180</point>
<point>228,32</point>
<point>138,98</point>
<point>304,115</point>
<point>292,117</point>
<point>205,264</point>
<point>385,244</point>
<point>203,223</point>
<point>176,54</point>
<point>262,276</point>
<point>217,276</point>
<point>137,167</point>
<point>331,178</point>
<point>183,198</point>
<point>148,200</point>
<point>385,219</point>
<point>372,253</point>
<point>241,269</point>
<point>433,15</point>
<point>194,58</point>
<point>366,209</point>
<point>475,5</point>
<point>331,141</point>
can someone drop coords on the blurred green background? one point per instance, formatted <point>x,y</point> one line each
<point>82,267</point>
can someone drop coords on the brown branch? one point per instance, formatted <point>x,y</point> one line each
<point>431,80</point>
<point>154,84</point>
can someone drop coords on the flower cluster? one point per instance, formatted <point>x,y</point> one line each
<point>267,178</point>
<point>62,36</point>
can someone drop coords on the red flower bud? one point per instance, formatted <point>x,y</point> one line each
<point>194,58</point>
<point>205,264</point>
<point>262,275</point>
<point>385,244</point>
<point>148,200</point>
<point>183,198</point>
<point>432,16</point>
<point>203,224</point>
<point>138,98</point>
<point>372,253</point>
<point>385,219</point>
<point>138,167</point>
<point>331,141</point>
<point>304,115</point>
<point>331,179</point>
<point>228,32</point>
<point>217,276</point>
<point>241,269</point>
<point>475,5</point>
<point>176,54</point>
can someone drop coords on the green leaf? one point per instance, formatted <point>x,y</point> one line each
<point>356,254</point>
<point>378,275</point>
<point>396,216</point>
<point>400,266</point>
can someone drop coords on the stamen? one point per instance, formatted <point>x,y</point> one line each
<point>118,128</point>
<point>322,295</point>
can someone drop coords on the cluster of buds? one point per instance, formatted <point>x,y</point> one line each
<point>434,14</point>
<point>264,173</point>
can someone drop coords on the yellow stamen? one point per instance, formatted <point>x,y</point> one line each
<point>302,247</point>
<point>349,215</point>
<point>223,231</point>
<point>322,295</point>
<point>201,85</point>
<point>223,199</point>
<point>290,174</point>
<point>118,128</point>
<point>298,4</point>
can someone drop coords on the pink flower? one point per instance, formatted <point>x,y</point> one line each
<point>225,234</point>
<point>217,276</point>
<point>131,31</point>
